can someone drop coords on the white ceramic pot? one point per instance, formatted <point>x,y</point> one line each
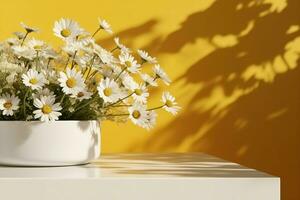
<point>56,143</point>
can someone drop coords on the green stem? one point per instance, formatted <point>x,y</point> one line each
<point>37,60</point>
<point>48,63</point>
<point>86,104</point>
<point>117,115</point>
<point>120,73</point>
<point>155,108</point>
<point>114,49</point>
<point>154,79</point>
<point>89,71</point>
<point>24,104</point>
<point>67,62</point>
<point>90,68</point>
<point>85,70</point>
<point>143,61</point>
<point>93,74</point>
<point>24,38</point>
<point>119,100</point>
<point>96,32</point>
<point>26,63</point>
<point>62,99</point>
<point>122,105</point>
<point>73,60</point>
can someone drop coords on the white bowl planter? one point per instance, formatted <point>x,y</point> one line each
<point>58,143</point>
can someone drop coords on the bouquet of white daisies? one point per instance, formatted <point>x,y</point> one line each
<point>79,81</point>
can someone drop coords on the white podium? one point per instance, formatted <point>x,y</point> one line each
<point>140,177</point>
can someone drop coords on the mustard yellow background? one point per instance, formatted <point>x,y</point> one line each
<point>235,66</point>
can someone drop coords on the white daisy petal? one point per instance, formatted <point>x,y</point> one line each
<point>129,63</point>
<point>71,82</point>
<point>109,90</point>
<point>170,105</point>
<point>34,79</point>
<point>47,110</point>
<point>120,46</point>
<point>9,104</point>
<point>66,29</point>
<point>138,114</point>
<point>149,80</point>
<point>146,57</point>
<point>105,25</point>
<point>28,29</point>
<point>161,74</point>
<point>81,95</point>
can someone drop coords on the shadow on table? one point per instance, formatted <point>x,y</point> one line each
<point>178,165</point>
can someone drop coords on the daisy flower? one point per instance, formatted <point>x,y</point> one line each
<point>146,57</point>
<point>43,92</point>
<point>138,114</point>
<point>20,35</point>
<point>149,80</point>
<point>66,29</point>
<point>129,63</point>
<point>160,73</point>
<point>106,71</point>
<point>88,44</point>
<point>28,29</point>
<point>151,119</point>
<point>13,41</point>
<point>47,108</point>
<point>71,81</point>
<point>169,103</point>
<point>128,82</point>
<point>105,56</point>
<point>84,94</point>
<point>9,104</point>
<point>83,35</point>
<point>11,78</point>
<point>105,26</point>
<point>109,90</point>
<point>8,67</point>
<point>50,74</point>
<point>34,79</point>
<point>72,46</point>
<point>37,45</point>
<point>24,51</point>
<point>139,92</point>
<point>49,53</point>
<point>84,59</point>
<point>120,46</point>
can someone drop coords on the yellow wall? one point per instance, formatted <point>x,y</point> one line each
<point>235,69</point>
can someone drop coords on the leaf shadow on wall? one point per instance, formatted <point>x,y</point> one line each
<point>248,109</point>
<point>127,36</point>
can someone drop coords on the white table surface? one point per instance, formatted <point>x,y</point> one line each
<point>191,176</point>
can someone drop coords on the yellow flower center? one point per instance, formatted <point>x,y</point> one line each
<point>33,81</point>
<point>138,92</point>
<point>136,114</point>
<point>71,82</point>
<point>107,92</point>
<point>46,109</point>
<point>169,103</point>
<point>128,63</point>
<point>38,47</point>
<point>7,105</point>
<point>65,32</point>
<point>80,94</point>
